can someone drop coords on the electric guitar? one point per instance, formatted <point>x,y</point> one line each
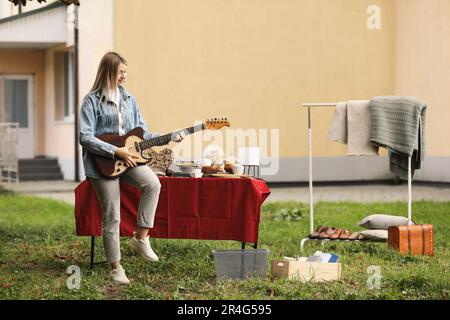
<point>136,144</point>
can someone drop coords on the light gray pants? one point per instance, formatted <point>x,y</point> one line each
<point>108,194</point>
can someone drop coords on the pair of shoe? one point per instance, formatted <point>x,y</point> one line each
<point>324,232</point>
<point>342,234</point>
<point>141,247</point>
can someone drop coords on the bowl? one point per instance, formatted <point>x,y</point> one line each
<point>206,162</point>
<point>190,169</point>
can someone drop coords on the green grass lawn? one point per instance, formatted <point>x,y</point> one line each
<point>38,243</point>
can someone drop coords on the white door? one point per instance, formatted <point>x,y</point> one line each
<point>16,105</point>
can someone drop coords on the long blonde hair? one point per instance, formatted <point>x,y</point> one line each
<point>108,68</point>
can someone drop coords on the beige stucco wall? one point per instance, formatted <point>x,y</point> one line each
<point>254,61</point>
<point>29,62</point>
<point>95,39</point>
<point>59,134</point>
<point>422,61</point>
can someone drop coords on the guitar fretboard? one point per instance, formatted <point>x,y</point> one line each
<point>166,138</point>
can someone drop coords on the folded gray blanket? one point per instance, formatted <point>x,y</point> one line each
<point>398,124</point>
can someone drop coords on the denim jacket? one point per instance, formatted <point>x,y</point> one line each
<point>98,115</point>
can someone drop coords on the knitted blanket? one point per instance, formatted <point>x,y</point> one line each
<point>398,124</point>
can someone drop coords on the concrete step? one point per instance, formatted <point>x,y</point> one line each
<point>41,168</point>
<point>38,162</point>
<point>40,176</point>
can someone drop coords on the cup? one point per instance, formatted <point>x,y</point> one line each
<point>238,168</point>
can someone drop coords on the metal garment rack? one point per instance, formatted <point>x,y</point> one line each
<point>311,194</point>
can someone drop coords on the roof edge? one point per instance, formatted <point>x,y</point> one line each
<point>29,13</point>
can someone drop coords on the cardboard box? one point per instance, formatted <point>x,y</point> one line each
<point>306,271</point>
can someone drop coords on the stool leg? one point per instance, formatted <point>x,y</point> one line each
<point>92,251</point>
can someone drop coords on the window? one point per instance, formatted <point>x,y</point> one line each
<point>64,86</point>
<point>16,96</point>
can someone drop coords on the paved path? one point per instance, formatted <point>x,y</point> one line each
<point>63,190</point>
<point>57,190</point>
<point>361,193</point>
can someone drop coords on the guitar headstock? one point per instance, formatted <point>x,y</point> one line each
<point>216,123</point>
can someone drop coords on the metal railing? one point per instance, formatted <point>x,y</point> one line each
<point>9,144</point>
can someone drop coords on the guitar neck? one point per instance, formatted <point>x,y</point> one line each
<point>166,138</point>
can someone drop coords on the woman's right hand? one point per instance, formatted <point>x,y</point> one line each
<point>127,157</point>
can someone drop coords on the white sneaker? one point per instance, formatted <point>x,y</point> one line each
<point>119,276</point>
<point>143,248</point>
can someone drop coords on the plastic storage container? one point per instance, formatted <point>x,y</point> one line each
<point>241,264</point>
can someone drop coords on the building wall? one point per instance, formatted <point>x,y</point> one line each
<point>255,62</point>
<point>60,135</point>
<point>422,64</point>
<point>29,62</point>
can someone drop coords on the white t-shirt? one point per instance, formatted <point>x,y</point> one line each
<point>114,96</point>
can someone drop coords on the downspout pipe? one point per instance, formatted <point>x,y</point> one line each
<point>76,99</point>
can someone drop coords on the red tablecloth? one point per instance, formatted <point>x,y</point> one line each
<point>188,208</point>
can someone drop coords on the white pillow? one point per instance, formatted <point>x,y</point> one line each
<point>375,235</point>
<point>382,221</point>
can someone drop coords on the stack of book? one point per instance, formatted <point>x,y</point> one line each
<point>318,256</point>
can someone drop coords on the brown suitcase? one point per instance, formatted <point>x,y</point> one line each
<point>415,239</point>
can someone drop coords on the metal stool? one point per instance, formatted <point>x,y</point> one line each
<point>249,169</point>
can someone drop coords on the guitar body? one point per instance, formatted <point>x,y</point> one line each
<point>115,168</point>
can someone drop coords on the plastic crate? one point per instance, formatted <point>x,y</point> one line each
<point>241,264</point>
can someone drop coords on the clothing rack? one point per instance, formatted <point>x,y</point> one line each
<point>311,193</point>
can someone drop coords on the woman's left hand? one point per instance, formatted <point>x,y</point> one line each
<point>178,136</point>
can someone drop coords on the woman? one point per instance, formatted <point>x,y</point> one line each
<point>108,108</point>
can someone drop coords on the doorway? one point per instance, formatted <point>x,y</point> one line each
<point>17,105</point>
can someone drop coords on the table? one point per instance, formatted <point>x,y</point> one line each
<point>188,208</point>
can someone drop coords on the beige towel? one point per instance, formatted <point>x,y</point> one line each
<point>338,127</point>
<point>351,125</point>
